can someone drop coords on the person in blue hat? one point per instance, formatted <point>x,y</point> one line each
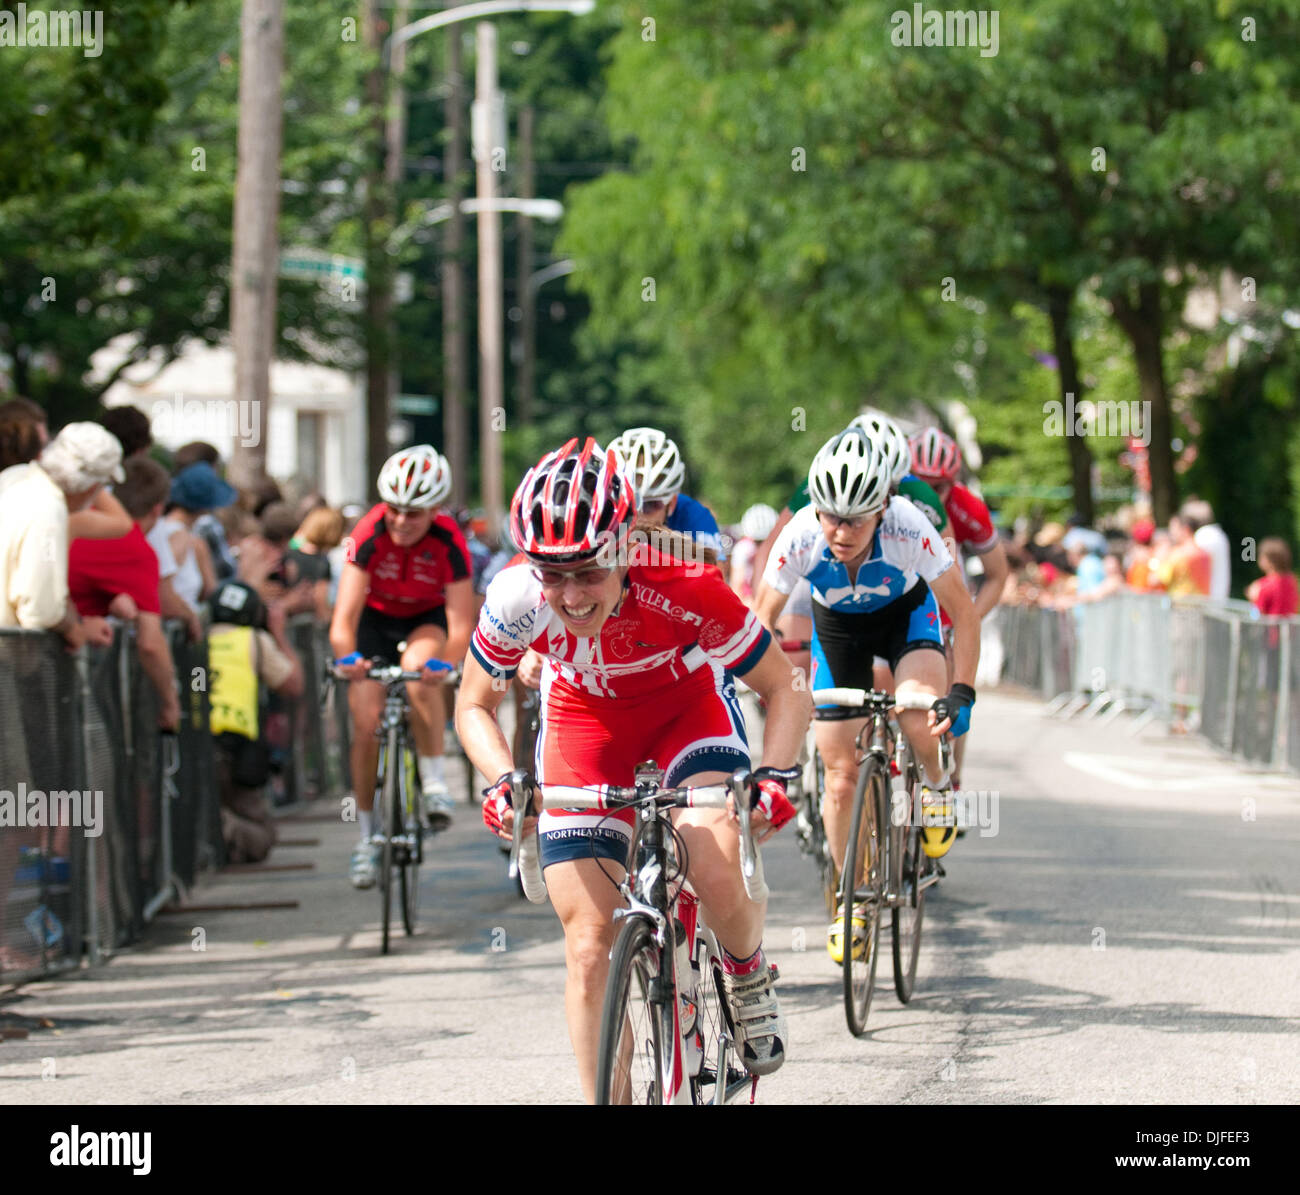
<point>184,559</point>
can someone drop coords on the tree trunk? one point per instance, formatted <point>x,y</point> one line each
<point>455,355</point>
<point>1059,302</point>
<point>379,283</point>
<point>255,268</point>
<point>1143,324</point>
<point>523,294</point>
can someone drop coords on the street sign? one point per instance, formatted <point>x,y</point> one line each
<point>314,265</point>
<point>416,404</point>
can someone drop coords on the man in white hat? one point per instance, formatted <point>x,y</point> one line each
<point>35,501</point>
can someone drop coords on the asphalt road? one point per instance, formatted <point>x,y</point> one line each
<point>1129,934</point>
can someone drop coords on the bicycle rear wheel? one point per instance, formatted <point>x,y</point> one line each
<point>908,913</point>
<point>862,887</point>
<point>630,1059</point>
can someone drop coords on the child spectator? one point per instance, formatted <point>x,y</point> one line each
<point>1276,591</point>
<point>247,646</point>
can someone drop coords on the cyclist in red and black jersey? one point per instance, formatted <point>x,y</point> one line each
<point>406,582</point>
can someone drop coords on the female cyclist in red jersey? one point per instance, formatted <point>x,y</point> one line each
<point>636,657</point>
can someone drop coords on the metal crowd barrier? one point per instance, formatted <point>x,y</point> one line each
<point>89,725</point>
<point>1218,668</point>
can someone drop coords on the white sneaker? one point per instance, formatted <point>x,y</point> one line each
<point>437,803</point>
<point>364,865</point>
<point>756,1019</point>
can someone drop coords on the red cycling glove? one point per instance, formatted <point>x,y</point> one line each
<point>496,801</point>
<point>772,802</point>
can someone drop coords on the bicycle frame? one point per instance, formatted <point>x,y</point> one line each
<point>651,897</point>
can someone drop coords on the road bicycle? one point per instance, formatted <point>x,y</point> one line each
<point>399,822</point>
<point>666,1033</point>
<point>890,869</point>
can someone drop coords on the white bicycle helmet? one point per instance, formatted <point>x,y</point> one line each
<point>850,476</point>
<point>652,463</point>
<point>417,477</point>
<point>757,522</point>
<point>887,433</point>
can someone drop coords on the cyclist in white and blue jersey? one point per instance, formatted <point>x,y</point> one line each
<point>655,466</point>
<point>876,566</point>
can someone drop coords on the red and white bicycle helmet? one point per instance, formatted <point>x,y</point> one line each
<point>418,478</point>
<point>935,455</point>
<point>572,504</point>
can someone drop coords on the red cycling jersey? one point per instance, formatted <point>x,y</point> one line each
<point>971,527</point>
<point>408,581</point>
<point>671,621</point>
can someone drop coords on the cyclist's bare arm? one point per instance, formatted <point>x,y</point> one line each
<point>480,696</point>
<point>996,570</point>
<point>954,597</point>
<point>768,604</point>
<point>351,599</point>
<point>789,705</point>
<point>462,614</point>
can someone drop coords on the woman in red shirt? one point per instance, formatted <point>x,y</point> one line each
<point>1276,591</point>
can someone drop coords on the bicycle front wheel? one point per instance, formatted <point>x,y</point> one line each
<point>909,911</point>
<point>630,1060</point>
<point>389,821</point>
<point>412,852</point>
<point>861,894</point>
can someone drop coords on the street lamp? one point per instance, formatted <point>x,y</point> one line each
<point>491,282</point>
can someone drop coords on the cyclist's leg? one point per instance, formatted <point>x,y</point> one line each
<point>585,898</point>
<point>366,704</point>
<point>922,673</point>
<point>428,704</point>
<point>836,740</point>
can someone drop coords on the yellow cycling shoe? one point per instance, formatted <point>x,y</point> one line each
<point>835,936</point>
<point>938,821</point>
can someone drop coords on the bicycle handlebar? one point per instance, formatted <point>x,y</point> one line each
<point>870,697</point>
<point>523,852</point>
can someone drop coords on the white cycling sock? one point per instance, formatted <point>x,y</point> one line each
<point>366,822</point>
<point>430,767</point>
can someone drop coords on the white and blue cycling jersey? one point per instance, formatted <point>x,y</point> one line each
<point>906,548</point>
<point>694,519</point>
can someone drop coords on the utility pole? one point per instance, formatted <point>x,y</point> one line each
<point>455,441</point>
<point>524,271</point>
<point>491,382</point>
<point>253,283</point>
<point>377,223</point>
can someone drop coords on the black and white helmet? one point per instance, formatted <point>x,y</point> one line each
<point>850,476</point>
<point>652,463</point>
<point>892,438</point>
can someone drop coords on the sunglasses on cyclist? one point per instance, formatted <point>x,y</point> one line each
<point>653,505</point>
<point>834,521</point>
<point>408,512</point>
<point>589,578</point>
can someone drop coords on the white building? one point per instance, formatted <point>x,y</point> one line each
<point>316,427</point>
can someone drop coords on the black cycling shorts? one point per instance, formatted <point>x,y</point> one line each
<point>844,644</point>
<point>379,634</point>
